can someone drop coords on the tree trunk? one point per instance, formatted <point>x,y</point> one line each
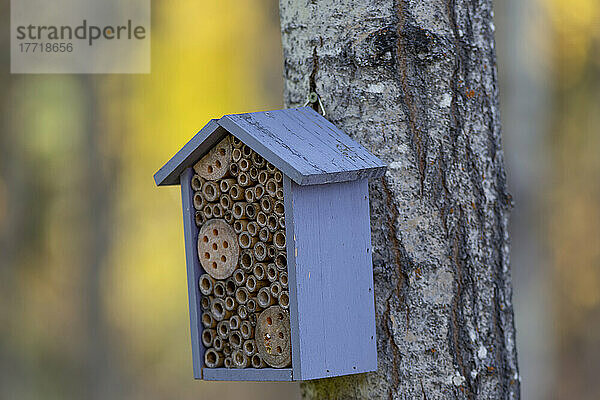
<point>415,82</point>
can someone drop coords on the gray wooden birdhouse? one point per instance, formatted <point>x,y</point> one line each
<point>278,247</point>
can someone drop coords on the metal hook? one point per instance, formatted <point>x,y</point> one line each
<point>313,98</point>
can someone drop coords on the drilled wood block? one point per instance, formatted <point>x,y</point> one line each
<point>215,164</point>
<point>218,248</point>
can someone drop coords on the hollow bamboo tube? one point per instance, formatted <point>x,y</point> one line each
<point>249,347</point>
<point>197,182</point>
<point>278,208</point>
<point>230,286</point>
<point>247,260</point>
<point>251,210</point>
<point>271,168</point>
<point>213,359</point>
<point>261,219</point>
<point>226,184</point>
<point>279,240</point>
<point>265,235</point>
<point>239,277</point>
<point>271,187</point>
<point>271,251</point>
<point>283,279</point>
<point>259,191</point>
<point>226,202</point>
<point>199,218</point>
<point>206,284</point>
<point>247,151</point>
<point>257,361</point>
<point>219,289</point>
<point>260,251</point>
<point>243,179</point>
<point>246,241</point>
<point>199,201</point>
<point>205,303</point>
<point>208,336</point>
<point>228,217</point>
<point>279,194</point>
<point>252,284</point>
<point>244,164</point>
<point>263,176</point>
<point>249,194</point>
<point>253,174</point>
<point>266,204</point>
<point>223,329</point>
<point>281,222</point>
<point>264,298</point>
<point>236,155</point>
<point>278,176</point>
<point>211,191</point>
<point>257,160</point>
<point>207,211</point>
<point>230,303</point>
<point>239,210</point>
<point>240,360</point>
<point>241,295</point>
<point>236,192</point>
<point>284,299</point>
<point>217,210</point>
<point>235,142</point>
<point>240,225</point>
<point>228,363</point>
<point>218,343</point>
<point>259,271</point>
<point>275,289</point>
<point>234,169</point>
<point>234,323</point>
<point>208,321</point>
<point>272,273</point>
<point>235,339</point>
<point>252,317</point>
<point>272,223</point>
<point>227,350</point>
<point>218,310</point>
<point>281,261</point>
<point>252,228</point>
<point>252,308</point>
<point>242,311</point>
<point>246,329</point>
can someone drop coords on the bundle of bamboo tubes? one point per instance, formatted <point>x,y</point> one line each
<point>238,198</point>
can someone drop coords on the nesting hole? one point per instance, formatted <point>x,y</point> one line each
<point>269,321</point>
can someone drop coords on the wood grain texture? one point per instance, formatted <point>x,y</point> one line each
<point>248,374</point>
<point>194,270</point>
<point>304,145</point>
<point>300,142</point>
<point>333,284</point>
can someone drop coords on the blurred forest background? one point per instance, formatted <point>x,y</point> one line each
<point>93,298</point>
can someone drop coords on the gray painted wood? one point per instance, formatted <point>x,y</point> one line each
<point>299,141</point>
<point>290,248</point>
<point>304,145</point>
<point>193,150</point>
<point>194,270</point>
<point>334,279</point>
<point>247,374</point>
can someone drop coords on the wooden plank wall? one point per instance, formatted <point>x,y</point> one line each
<point>333,280</point>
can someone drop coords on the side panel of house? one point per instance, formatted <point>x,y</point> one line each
<point>333,280</point>
<point>194,270</point>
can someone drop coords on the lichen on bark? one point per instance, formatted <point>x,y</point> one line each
<point>415,82</point>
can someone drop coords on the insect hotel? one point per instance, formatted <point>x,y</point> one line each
<point>278,247</point>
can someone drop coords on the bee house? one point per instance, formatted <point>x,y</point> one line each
<point>278,247</point>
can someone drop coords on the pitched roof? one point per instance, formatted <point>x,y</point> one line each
<point>299,141</point>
